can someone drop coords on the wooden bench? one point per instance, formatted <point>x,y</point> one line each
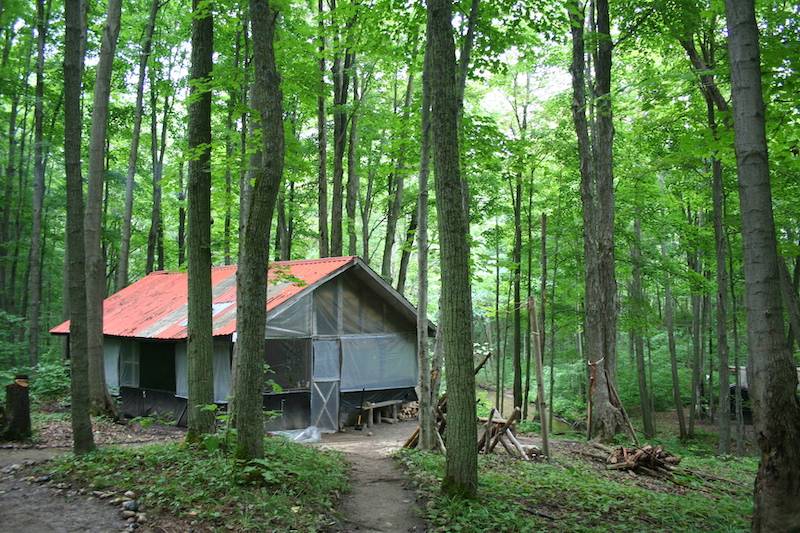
<point>375,409</point>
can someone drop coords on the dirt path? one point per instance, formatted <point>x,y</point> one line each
<point>30,507</point>
<point>379,500</point>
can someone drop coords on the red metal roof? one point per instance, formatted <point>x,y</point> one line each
<point>155,307</point>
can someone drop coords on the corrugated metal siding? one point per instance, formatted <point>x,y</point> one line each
<point>155,307</point>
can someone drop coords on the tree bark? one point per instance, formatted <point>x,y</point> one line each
<point>322,138</point>
<point>352,172</point>
<point>427,437</point>
<point>461,470</point>
<point>158,146</point>
<point>199,350</point>
<point>669,324</point>
<point>252,272</point>
<point>406,249</point>
<point>95,262</point>
<point>181,216</point>
<point>597,197</point>
<point>517,282</point>
<point>723,411</point>
<point>130,179</point>
<point>35,254</point>
<point>771,367</point>
<point>639,316</point>
<point>396,188</point>
<point>82,439</point>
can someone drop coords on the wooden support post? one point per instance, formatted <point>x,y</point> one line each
<point>503,429</point>
<point>537,351</point>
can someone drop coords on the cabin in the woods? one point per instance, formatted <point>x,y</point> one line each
<point>338,336</point>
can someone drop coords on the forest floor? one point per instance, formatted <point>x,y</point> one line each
<point>36,503</point>
<point>574,491</point>
<point>380,497</point>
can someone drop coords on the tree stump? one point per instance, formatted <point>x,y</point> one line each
<point>18,410</point>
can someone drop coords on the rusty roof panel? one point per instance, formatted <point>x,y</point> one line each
<point>155,307</point>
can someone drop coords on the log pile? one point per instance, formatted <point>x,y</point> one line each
<point>409,411</point>
<point>650,460</point>
<point>494,430</point>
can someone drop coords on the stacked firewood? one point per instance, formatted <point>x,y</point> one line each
<point>409,411</point>
<point>650,460</point>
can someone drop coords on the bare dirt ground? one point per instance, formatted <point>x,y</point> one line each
<point>381,499</point>
<point>28,504</point>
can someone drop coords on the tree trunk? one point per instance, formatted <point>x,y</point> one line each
<point>517,259</point>
<point>639,317</point>
<point>773,386</point>
<point>668,323</point>
<point>199,349</point>
<point>406,250</point>
<point>597,197</point>
<point>227,224</point>
<point>252,272</point>
<point>553,330</point>
<point>341,82</point>
<point>352,172</point>
<point>529,295</point>
<point>543,295</point>
<point>498,354</point>
<point>461,471</point>
<point>130,180</point>
<point>735,319</point>
<point>82,439</point>
<point>95,262</point>
<point>157,149</point>
<point>12,170</point>
<point>322,138</point>
<point>723,411</point>
<point>396,188</point>
<point>181,216</point>
<point>35,255</point>
<point>427,437</point>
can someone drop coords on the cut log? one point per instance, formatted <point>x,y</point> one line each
<point>18,410</point>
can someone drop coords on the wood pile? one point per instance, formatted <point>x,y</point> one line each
<point>650,460</point>
<point>494,430</point>
<point>409,411</point>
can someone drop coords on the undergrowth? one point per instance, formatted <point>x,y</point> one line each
<point>568,494</point>
<point>294,487</point>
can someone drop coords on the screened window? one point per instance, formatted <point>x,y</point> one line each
<point>129,364</point>
<point>157,366</point>
<point>378,362</point>
<point>294,321</point>
<point>289,362</point>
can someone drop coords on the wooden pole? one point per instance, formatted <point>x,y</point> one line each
<point>537,352</point>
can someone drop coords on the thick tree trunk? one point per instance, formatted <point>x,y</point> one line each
<point>461,471</point>
<point>95,262</point>
<point>199,350</point>
<point>82,439</point>
<point>130,180</point>
<point>322,139</point>
<point>427,437</point>
<point>639,316</point>
<point>252,272</point>
<point>597,196</point>
<point>773,384</point>
<point>35,254</point>
<point>352,172</point>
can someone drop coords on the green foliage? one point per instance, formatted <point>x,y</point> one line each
<point>519,496</point>
<point>293,488</point>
